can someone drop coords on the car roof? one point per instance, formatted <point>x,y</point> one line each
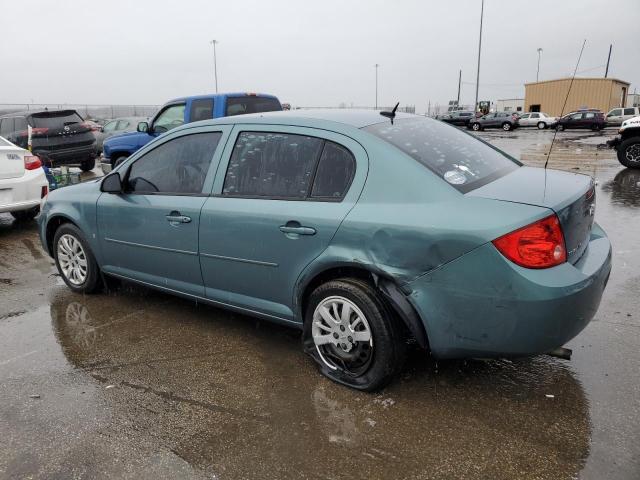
<point>312,117</point>
<point>26,113</point>
<point>218,95</point>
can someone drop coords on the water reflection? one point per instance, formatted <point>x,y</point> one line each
<point>625,188</point>
<point>235,397</point>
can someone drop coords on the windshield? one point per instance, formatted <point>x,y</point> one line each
<point>457,157</point>
<point>242,105</point>
<point>55,119</point>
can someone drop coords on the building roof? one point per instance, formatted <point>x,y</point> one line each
<point>608,79</point>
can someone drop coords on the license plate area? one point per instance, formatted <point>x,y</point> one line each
<point>5,196</point>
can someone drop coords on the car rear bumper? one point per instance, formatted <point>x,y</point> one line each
<point>22,193</point>
<point>482,305</point>
<point>69,156</point>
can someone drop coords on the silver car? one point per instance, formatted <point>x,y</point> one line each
<point>116,127</point>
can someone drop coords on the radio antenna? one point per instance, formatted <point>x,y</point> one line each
<point>565,102</point>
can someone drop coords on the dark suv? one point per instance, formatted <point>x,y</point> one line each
<point>593,119</point>
<point>460,118</point>
<point>58,137</point>
<point>504,120</point>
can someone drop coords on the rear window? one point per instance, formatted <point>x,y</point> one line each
<point>242,105</point>
<point>457,157</point>
<point>55,119</point>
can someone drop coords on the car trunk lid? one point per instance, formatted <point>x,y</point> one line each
<point>11,162</point>
<point>59,129</point>
<point>571,196</point>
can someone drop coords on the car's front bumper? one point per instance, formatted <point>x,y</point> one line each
<point>483,305</point>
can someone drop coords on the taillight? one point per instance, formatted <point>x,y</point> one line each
<point>44,191</point>
<point>31,162</point>
<point>39,131</point>
<point>539,245</point>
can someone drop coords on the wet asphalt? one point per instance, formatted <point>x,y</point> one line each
<point>139,384</point>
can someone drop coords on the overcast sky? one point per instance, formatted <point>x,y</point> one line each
<point>319,53</point>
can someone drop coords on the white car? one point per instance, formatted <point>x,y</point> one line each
<point>537,119</point>
<point>619,115</point>
<point>23,182</point>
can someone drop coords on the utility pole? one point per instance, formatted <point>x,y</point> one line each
<point>538,71</point>
<point>479,50</point>
<point>377,65</point>
<point>459,83</point>
<point>215,63</point>
<point>608,60</point>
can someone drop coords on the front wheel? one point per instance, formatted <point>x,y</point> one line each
<point>629,152</point>
<point>542,125</point>
<point>74,260</point>
<point>353,335</point>
<point>506,126</point>
<point>88,165</point>
<point>118,160</point>
<point>475,127</point>
<point>560,128</point>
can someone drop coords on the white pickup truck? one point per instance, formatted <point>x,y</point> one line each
<point>627,144</point>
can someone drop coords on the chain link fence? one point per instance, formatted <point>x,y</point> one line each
<point>87,111</point>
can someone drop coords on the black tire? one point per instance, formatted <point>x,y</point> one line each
<point>367,367</point>
<point>118,160</point>
<point>88,165</point>
<point>506,126</point>
<point>26,215</point>
<point>476,127</point>
<point>629,152</point>
<point>560,128</point>
<point>92,282</point>
<point>542,125</point>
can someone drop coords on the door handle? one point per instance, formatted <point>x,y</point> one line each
<point>176,217</point>
<point>296,228</point>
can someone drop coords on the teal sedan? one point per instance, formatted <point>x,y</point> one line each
<point>359,229</point>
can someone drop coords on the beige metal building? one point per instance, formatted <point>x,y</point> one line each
<point>549,96</point>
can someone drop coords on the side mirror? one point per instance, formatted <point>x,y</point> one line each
<point>143,127</point>
<point>112,183</point>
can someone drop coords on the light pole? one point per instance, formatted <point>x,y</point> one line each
<point>538,71</point>
<point>215,64</point>
<point>376,65</point>
<point>479,50</point>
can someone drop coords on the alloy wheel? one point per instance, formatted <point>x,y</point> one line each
<point>632,153</point>
<point>72,259</point>
<point>342,335</point>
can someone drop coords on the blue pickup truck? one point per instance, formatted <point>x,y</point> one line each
<point>180,111</point>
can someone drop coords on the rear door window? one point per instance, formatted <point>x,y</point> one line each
<point>457,157</point>
<point>123,124</point>
<point>629,111</point>
<point>178,166</point>
<point>272,165</point>
<point>202,109</point>
<point>335,172</point>
<point>251,104</point>
<point>6,127</point>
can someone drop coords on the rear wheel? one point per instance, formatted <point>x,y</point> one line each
<point>542,125</point>
<point>560,128</point>
<point>475,126</point>
<point>88,165</point>
<point>629,152</point>
<point>355,338</point>
<point>74,260</point>
<point>25,215</point>
<point>506,126</point>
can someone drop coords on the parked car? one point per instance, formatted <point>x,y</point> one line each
<point>180,111</point>
<point>537,119</point>
<point>351,227</point>
<point>116,127</point>
<point>504,120</point>
<point>460,118</point>
<point>619,115</point>
<point>592,119</point>
<point>627,143</point>
<point>58,137</point>
<point>22,181</point>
